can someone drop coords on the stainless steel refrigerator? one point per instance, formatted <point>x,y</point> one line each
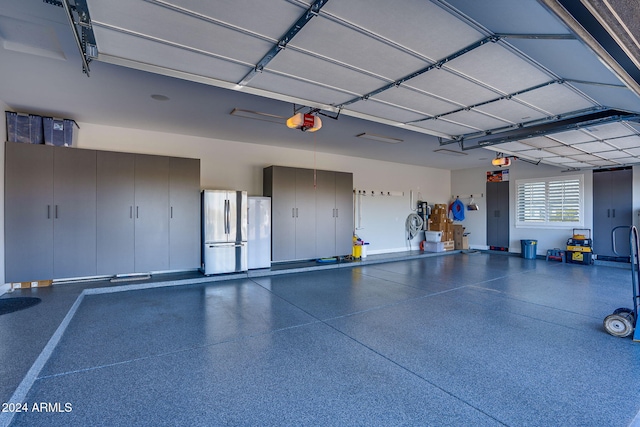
<point>224,231</point>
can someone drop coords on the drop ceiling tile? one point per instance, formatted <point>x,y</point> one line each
<point>382,110</point>
<point>404,21</point>
<point>355,48</point>
<point>609,130</point>
<point>571,137</point>
<point>445,127</point>
<point>475,120</point>
<point>317,70</point>
<point>541,142</point>
<point>537,154</point>
<point>564,150</point>
<point>499,68</point>
<point>416,101</point>
<point>149,52</point>
<point>625,142</point>
<point>298,89</point>
<point>633,151</point>
<point>514,146</point>
<point>511,111</point>
<point>613,154</point>
<point>555,99</point>
<point>594,147</point>
<point>449,86</point>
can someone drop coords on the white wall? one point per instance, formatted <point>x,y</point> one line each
<point>234,165</point>
<point>474,180</point>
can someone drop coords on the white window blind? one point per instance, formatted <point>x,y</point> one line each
<point>549,202</point>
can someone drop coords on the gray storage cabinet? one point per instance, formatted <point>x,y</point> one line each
<point>50,212</point>
<point>293,211</point>
<point>309,221</point>
<point>151,213</point>
<point>184,213</point>
<point>334,213</point>
<point>612,207</point>
<point>498,214</point>
<point>28,219</point>
<point>116,202</point>
<point>74,213</point>
<point>80,213</point>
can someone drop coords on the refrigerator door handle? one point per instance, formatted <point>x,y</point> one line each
<point>228,217</point>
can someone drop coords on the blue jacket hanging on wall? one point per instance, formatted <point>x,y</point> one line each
<point>457,209</point>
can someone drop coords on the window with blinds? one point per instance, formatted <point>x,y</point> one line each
<point>549,202</point>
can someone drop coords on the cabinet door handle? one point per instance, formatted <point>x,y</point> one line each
<point>137,211</point>
<point>171,214</point>
<point>56,214</point>
<point>296,212</point>
<point>336,212</point>
<point>614,213</point>
<point>130,211</point>
<point>293,212</point>
<point>48,211</point>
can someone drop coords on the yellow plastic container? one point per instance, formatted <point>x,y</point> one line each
<point>357,251</point>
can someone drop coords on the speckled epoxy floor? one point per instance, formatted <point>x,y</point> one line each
<point>466,339</point>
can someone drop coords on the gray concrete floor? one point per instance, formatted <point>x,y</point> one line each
<point>462,339</point>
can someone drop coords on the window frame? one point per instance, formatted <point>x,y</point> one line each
<point>546,223</point>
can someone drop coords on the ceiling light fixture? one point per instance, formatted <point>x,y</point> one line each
<point>256,115</point>
<point>450,152</point>
<point>304,122</point>
<point>381,138</point>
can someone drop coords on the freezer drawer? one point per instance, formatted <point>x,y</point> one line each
<point>225,257</point>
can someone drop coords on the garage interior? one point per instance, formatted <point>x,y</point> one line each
<point>418,102</point>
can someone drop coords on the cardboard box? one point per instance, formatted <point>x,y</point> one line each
<point>449,245</point>
<point>461,243</point>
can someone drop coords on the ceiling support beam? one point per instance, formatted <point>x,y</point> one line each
<point>282,43</point>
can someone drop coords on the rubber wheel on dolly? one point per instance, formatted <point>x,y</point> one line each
<point>621,323</point>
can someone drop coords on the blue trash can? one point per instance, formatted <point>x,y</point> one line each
<point>529,248</point>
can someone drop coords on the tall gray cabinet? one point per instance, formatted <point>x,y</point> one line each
<point>612,207</point>
<point>312,212</point>
<point>498,214</point>
<point>50,212</point>
<point>28,212</point>
<point>334,213</point>
<point>79,213</point>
